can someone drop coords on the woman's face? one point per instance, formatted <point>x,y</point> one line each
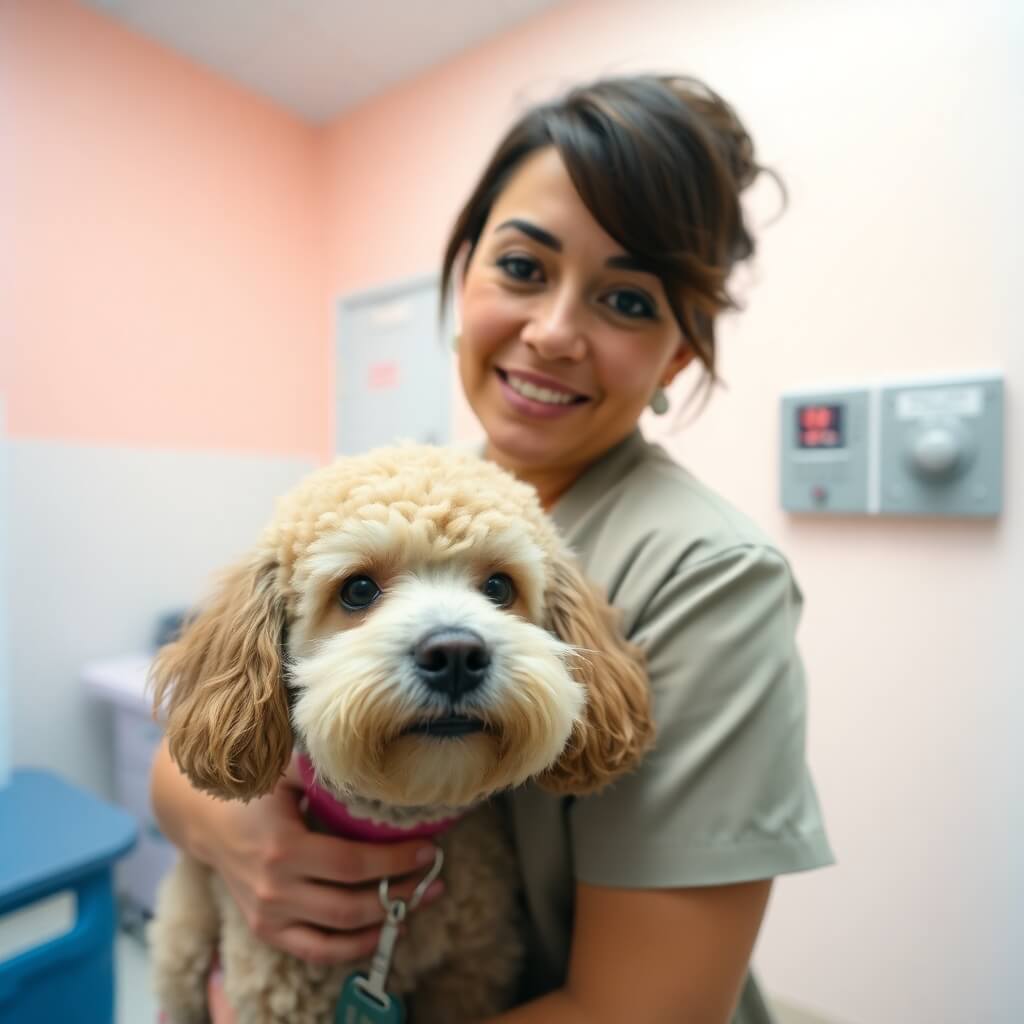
<point>564,337</point>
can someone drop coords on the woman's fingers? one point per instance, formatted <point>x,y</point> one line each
<point>346,862</point>
<point>324,947</point>
<point>347,910</point>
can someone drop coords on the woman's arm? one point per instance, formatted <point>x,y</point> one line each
<point>654,956</point>
<point>311,895</point>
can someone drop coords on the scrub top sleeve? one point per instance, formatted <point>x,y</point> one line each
<point>725,796</point>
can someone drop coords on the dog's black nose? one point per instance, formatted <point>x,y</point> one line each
<point>452,661</point>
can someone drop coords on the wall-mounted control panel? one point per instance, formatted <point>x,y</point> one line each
<point>929,447</point>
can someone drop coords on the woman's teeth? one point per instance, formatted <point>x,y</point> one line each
<point>546,395</point>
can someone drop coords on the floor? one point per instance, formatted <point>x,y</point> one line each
<point>135,1003</point>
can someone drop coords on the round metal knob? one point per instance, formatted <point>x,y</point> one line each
<point>937,452</point>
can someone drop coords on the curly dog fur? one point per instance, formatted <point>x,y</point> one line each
<point>284,659</point>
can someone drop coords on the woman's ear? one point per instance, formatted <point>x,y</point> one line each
<point>681,359</point>
<point>617,727</point>
<point>221,688</point>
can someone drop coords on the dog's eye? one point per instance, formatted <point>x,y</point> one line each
<point>500,589</point>
<point>358,593</point>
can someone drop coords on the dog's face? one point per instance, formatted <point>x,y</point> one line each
<point>421,669</point>
<point>412,622</point>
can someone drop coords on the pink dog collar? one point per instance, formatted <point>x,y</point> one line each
<point>336,816</point>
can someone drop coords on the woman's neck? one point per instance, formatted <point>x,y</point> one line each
<point>550,482</point>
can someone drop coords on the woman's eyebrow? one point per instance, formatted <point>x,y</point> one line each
<point>536,233</point>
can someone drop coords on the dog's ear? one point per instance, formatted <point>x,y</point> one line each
<point>221,687</point>
<point>617,726</point>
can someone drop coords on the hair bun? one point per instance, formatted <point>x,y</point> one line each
<point>731,138</point>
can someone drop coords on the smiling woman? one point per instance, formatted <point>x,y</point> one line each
<point>564,336</point>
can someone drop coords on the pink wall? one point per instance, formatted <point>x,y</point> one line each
<point>896,258</point>
<point>163,282</point>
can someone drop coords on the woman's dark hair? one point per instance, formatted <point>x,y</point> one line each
<point>660,162</point>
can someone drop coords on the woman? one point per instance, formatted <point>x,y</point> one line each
<point>592,261</point>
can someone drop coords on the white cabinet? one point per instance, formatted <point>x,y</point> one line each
<point>122,683</point>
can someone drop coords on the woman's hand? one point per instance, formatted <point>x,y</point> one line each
<point>313,896</point>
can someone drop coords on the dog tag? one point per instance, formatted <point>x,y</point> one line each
<point>358,1006</point>
<point>364,999</point>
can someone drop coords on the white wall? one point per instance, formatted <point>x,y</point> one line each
<point>103,540</point>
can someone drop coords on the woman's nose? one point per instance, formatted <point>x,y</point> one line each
<point>556,331</point>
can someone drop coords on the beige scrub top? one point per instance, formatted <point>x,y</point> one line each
<point>725,796</point>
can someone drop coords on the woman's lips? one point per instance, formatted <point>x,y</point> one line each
<point>537,406</point>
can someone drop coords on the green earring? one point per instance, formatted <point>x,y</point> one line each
<point>659,402</point>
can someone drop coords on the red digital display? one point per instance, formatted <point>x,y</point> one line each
<point>820,426</point>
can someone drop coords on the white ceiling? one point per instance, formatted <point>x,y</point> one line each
<point>317,57</point>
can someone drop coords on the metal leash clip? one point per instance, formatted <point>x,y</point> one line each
<point>395,913</point>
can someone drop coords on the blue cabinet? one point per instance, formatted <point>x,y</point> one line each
<point>57,839</point>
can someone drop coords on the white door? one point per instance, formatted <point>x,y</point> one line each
<point>393,372</point>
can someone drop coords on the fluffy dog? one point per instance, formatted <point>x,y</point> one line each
<point>412,625</point>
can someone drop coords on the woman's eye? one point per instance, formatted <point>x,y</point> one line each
<point>499,589</point>
<point>358,593</point>
<point>521,268</point>
<point>632,304</point>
